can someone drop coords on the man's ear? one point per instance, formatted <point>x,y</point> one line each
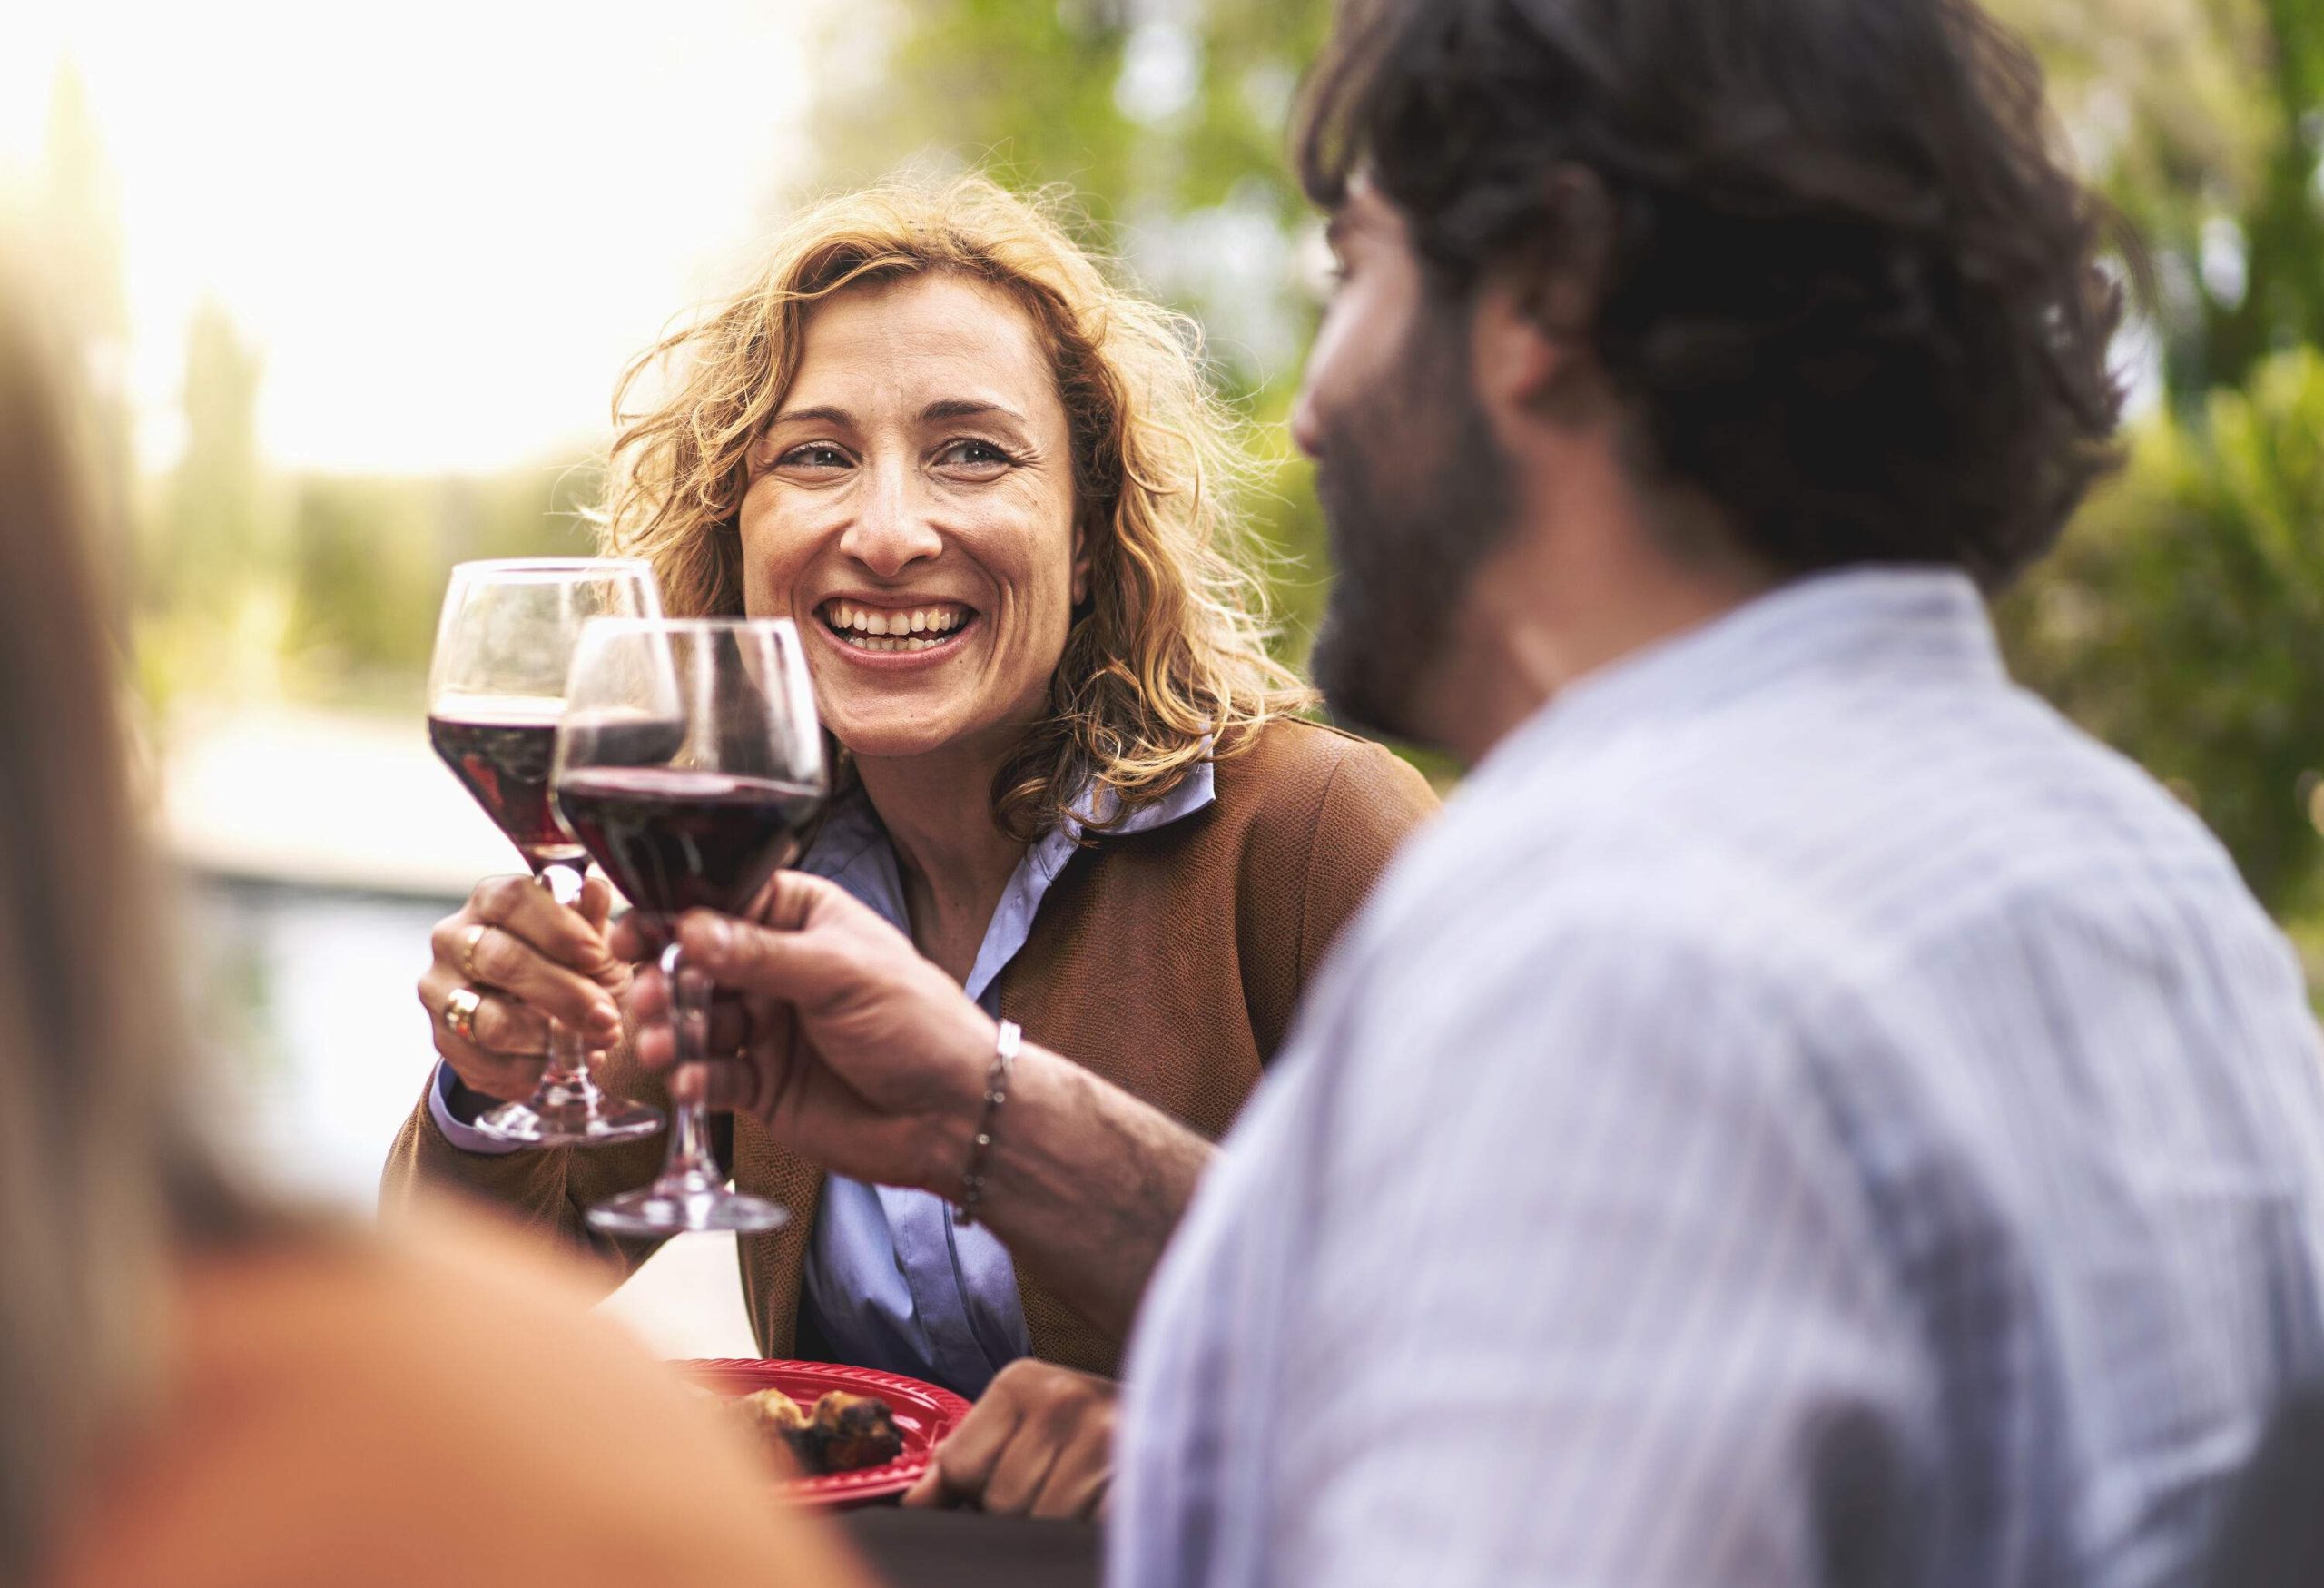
<point>1535,307</point>
<point>1518,361</point>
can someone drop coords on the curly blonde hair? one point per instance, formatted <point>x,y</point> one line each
<point>1166,663</point>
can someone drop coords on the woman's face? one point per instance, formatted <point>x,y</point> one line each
<point>910,507</point>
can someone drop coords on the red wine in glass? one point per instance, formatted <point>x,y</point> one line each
<point>675,840</point>
<point>496,693</point>
<point>688,759</point>
<point>501,751</point>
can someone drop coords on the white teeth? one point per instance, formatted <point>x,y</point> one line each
<point>869,629</point>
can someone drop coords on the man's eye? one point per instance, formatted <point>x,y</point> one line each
<point>974,454</point>
<point>813,454</point>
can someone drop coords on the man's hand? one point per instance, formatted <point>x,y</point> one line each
<point>861,1055</point>
<point>1039,1443</point>
<point>831,1027</point>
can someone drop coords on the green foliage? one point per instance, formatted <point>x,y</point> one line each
<point>2202,117</point>
<point>369,564</point>
<point>2183,620</point>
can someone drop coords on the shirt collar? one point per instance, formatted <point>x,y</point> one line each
<point>1924,623</point>
<point>852,849</point>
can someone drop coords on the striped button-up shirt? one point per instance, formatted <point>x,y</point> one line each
<point>1804,1114</point>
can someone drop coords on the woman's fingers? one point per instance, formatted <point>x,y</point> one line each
<point>499,1027</point>
<point>964,1465</point>
<point>1017,1477</point>
<point>597,901</point>
<point>1080,1478</point>
<point>1039,1442</point>
<point>524,909</point>
<point>501,1055</point>
<point>482,950</point>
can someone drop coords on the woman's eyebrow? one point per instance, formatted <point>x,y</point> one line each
<point>821,415</point>
<point>961,408</point>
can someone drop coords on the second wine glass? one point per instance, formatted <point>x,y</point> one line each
<point>688,760</point>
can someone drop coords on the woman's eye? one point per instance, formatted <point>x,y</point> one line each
<point>813,454</point>
<point>974,454</point>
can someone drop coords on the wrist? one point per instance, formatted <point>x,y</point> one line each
<point>950,1121</point>
<point>996,1097</point>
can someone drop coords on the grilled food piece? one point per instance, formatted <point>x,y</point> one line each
<point>773,1413</point>
<point>846,1433</point>
<point>849,1433</point>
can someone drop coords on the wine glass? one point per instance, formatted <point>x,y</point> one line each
<point>688,759</point>
<point>495,693</point>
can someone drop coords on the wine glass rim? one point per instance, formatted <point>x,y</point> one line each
<point>545,566</point>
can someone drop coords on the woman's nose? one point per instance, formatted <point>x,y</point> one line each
<point>892,532</point>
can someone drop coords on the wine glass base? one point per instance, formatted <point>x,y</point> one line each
<point>549,1120</point>
<point>678,1209</point>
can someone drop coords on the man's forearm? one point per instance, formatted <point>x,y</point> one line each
<point>1086,1184</point>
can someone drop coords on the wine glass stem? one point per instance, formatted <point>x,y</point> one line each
<point>568,1056</point>
<point>690,1161</point>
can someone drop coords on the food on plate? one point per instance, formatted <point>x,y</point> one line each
<point>844,1433</point>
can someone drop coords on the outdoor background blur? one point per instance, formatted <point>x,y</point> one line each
<point>351,296</point>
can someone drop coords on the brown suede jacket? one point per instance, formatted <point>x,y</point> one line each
<point>1167,962</point>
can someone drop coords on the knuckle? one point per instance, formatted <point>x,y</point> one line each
<point>498,898</point>
<point>500,1028</point>
<point>497,956</point>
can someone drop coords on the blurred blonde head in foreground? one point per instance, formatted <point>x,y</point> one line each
<point>196,1389</point>
<point>101,1176</point>
<point>1168,657</point>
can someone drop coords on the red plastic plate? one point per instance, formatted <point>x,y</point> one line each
<point>924,1414</point>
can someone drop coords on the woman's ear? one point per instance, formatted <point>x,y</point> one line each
<point>1081,538</point>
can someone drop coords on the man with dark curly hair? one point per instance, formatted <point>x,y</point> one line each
<point>1804,1114</point>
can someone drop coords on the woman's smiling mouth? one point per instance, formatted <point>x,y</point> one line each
<point>928,626</point>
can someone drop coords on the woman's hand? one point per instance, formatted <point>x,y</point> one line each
<point>1039,1442</point>
<point>533,959</point>
<point>831,1029</point>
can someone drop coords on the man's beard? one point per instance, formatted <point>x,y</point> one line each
<point>1415,493</point>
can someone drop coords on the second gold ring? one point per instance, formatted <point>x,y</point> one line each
<point>460,1013</point>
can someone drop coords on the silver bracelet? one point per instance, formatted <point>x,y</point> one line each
<point>996,1093</point>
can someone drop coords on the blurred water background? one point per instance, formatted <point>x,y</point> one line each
<point>350,291</point>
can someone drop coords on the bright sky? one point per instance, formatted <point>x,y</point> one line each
<point>446,223</point>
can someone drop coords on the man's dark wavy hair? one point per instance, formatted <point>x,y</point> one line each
<point>1840,274</point>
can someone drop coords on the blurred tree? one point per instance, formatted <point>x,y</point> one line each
<point>369,558</point>
<point>212,533</point>
<point>2184,618</point>
<point>2205,120</point>
<point>211,590</point>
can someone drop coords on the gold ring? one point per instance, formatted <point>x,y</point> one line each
<point>469,939</point>
<point>460,1013</point>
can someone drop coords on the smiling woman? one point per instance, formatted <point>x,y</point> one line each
<point>995,493</point>
<point>1076,402</point>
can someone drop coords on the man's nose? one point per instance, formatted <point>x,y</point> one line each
<point>1306,428</point>
<point>892,531</point>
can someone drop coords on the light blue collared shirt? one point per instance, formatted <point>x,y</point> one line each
<point>1804,1114</point>
<point>892,1282</point>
